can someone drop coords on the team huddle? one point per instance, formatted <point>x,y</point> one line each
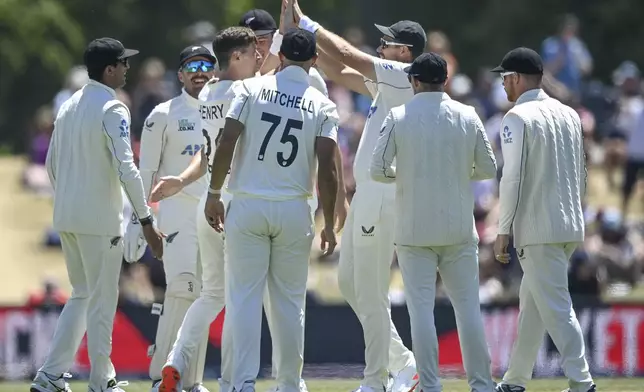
<point>237,163</point>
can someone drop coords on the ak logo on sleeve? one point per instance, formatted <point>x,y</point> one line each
<point>507,135</point>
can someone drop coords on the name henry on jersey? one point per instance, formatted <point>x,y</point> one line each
<point>212,112</point>
<point>286,100</point>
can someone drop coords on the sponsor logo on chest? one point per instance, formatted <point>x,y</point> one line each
<point>186,125</point>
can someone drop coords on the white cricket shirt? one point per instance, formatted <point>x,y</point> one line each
<point>440,146</point>
<point>390,90</point>
<point>544,172</point>
<point>170,139</point>
<point>89,160</point>
<point>275,154</point>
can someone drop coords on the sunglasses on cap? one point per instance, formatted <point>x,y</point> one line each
<point>384,43</point>
<point>198,66</point>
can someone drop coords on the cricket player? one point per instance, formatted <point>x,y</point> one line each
<point>440,146</point>
<point>88,161</point>
<point>367,243</point>
<point>170,138</point>
<point>279,124</point>
<point>543,182</point>
<point>235,47</point>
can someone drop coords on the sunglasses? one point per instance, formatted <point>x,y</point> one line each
<point>384,43</point>
<point>198,66</point>
<point>504,74</point>
<point>122,61</point>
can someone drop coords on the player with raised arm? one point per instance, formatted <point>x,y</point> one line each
<point>367,244</point>
<point>170,138</point>
<point>276,126</point>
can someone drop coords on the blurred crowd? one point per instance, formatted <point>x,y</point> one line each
<point>609,262</point>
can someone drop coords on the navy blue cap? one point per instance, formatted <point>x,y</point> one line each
<point>521,60</point>
<point>193,51</point>
<point>428,68</point>
<point>105,51</point>
<point>298,45</point>
<point>406,32</point>
<point>260,21</point>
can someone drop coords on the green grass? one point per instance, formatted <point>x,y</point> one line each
<point>550,385</point>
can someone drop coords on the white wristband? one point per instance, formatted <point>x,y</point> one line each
<point>214,191</point>
<point>277,43</point>
<point>308,24</point>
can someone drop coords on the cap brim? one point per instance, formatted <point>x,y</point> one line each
<point>208,56</point>
<point>385,30</point>
<point>498,69</point>
<point>407,69</point>
<point>128,53</point>
<point>263,32</point>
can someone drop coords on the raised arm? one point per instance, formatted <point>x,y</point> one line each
<point>116,126</point>
<point>341,74</point>
<point>337,47</point>
<point>382,169</point>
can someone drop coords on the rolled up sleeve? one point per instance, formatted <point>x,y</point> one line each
<point>116,125</point>
<point>382,169</point>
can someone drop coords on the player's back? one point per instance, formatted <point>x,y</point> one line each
<point>550,209</point>
<point>275,155</point>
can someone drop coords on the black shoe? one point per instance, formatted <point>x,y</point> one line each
<point>508,388</point>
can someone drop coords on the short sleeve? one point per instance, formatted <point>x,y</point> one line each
<point>316,81</point>
<point>549,49</point>
<point>239,106</point>
<point>329,122</point>
<point>392,82</point>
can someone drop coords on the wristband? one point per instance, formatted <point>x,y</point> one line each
<point>277,43</point>
<point>146,221</point>
<point>308,24</point>
<point>214,191</point>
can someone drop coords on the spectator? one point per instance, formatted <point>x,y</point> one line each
<point>566,56</point>
<point>50,295</point>
<point>151,90</point>
<point>584,277</point>
<point>76,78</point>
<point>438,42</point>
<point>35,176</point>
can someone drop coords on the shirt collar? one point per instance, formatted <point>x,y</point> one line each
<point>191,101</point>
<point>101,85</point>
<point>536,94</point>
<point>295,72</point>
<point>432,96</point>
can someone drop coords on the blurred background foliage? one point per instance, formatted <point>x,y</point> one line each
<point>41,39</point>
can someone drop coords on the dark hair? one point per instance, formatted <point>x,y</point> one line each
<point>96,73</point>
<point>229,40</point>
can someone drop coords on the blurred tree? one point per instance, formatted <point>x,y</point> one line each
<point>34,34</point>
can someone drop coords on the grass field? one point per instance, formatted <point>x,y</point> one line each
<point>346,385</point>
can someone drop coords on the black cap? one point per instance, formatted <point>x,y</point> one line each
<point>521,60</point>
<point>260,21</point>
<point>298,45</point>
<point>429,68</point>
<point>408,33</point>
<point>195,51</point>
<point>102,52</point>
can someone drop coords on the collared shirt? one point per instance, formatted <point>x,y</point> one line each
<point>172,135</point>
<point>283,115</point>
<point>440,146</point>
<point>544,172</point>
<point>89,159</point>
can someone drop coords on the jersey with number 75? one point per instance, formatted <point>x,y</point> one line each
<point>282,116</point>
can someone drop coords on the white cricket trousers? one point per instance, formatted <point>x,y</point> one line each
<point>93,265</point>
<point>177,220</point>
<point>459,269</point>
<point>211,301</point>
<point>364,274</point>
<point>268,244</point>
<point>545,305</point>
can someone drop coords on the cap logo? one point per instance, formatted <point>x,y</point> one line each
<point>249,20</point>
<point>194,48</point>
